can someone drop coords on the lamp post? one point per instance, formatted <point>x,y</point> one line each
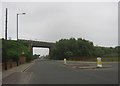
<point>17,22</point>
<point>17,34</point>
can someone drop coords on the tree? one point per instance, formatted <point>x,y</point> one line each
<point>66,48</point>
<point>72,47</point>
<point>12,50</point>
<point>68,54</point>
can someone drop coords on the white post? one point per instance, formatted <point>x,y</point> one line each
<point>99,62</point>
<point>65,61</point>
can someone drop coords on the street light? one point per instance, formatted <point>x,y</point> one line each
<point>17,22</point>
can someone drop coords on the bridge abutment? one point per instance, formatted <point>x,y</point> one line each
<point>39,44</point>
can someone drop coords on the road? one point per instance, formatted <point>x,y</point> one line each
<point>54,72</point>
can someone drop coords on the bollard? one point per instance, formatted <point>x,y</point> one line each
<point>99,62</point>
<point>64,60</point>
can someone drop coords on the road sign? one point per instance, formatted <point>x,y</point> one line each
<point>99,62</point>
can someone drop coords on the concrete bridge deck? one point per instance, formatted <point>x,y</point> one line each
<point>38,43</point>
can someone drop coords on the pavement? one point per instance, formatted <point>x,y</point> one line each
<point>17,75</point>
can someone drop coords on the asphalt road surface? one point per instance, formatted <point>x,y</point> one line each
<point>54,72</point>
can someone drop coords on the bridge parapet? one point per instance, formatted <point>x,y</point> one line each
<point>39,43</point>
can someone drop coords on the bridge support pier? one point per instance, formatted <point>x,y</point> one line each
<point>50,52</point>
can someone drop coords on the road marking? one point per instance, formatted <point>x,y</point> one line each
<point>27,67</point>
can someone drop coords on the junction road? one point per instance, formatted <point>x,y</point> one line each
<point>54,72</point>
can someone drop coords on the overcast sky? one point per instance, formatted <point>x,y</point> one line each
<point>51,21</point>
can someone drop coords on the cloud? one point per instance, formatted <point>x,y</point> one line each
<point>95,21</point>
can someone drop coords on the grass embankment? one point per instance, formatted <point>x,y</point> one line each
<point>110,59</point>
<point>104,59</point>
